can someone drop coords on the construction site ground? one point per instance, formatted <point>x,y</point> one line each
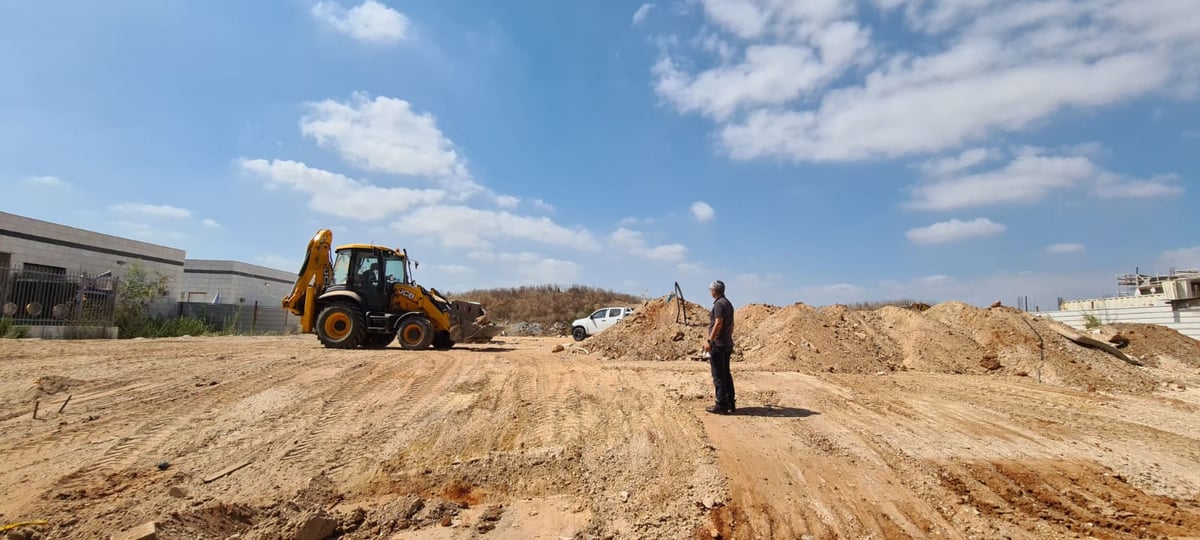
<point>277,437</point>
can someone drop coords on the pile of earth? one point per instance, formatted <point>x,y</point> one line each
<point>1153,344</point>
<point>656,331</point>
<point>951,337</point>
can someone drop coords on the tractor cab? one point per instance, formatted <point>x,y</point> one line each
<point>370,271</point>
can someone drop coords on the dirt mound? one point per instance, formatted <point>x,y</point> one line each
<point>951,337</point>
<point>1023,344</point>
<point>49,385</point>
<point>1154,345</point>
<point>652,333</point>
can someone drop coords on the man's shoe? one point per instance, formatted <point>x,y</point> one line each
<point>717,410</point>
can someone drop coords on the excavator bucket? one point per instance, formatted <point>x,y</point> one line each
<point>469,324</point>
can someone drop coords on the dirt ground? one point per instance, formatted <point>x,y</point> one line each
<point>953,423</point>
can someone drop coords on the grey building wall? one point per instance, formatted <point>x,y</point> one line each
<point>30,241</point>
<point>254,292</point>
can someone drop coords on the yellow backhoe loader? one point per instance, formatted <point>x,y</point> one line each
<point>366,297</point>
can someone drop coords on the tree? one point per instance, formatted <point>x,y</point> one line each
<point>135,294</point>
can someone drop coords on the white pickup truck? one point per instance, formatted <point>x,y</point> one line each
<point>598,321</point>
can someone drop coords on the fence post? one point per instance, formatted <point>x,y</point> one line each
<point>254,319</point>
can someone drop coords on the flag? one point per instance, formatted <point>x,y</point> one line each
<point>217,298</point>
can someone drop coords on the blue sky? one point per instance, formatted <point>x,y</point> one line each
<point>820,151</point>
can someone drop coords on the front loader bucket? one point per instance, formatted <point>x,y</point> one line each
<point>469,323</point>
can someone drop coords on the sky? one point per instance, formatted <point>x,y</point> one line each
<point>821,151</point>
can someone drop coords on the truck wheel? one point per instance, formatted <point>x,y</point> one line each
<point>441,340</point>
<point>579,333</point>
<point>378,341</point>
<point>415,333</point>
<point>341,326</point>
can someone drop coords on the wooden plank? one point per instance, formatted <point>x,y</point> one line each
<point>226,471</point>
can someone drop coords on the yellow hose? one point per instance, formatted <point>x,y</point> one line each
<point>12,526</point>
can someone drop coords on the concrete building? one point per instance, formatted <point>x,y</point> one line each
<point>229,294</point>
<point>39,247</point>
<point>245,295</point>
<point>1172,300</point>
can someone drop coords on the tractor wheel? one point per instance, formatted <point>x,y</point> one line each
<point>441,340</point>
<point>378,341</point>
<point>342,326</point>
<point>415,333</point>
<point>579,333</point>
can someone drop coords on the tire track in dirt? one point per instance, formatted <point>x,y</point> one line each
<point>164,411</point>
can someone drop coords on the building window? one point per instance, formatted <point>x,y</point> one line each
<point>43,271</point>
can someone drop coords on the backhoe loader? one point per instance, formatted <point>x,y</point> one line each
<point>366,297</point>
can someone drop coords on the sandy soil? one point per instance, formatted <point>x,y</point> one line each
<point>511,440</point>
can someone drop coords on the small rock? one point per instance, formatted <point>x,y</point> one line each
<point>624,496</point>
<point>558,348</point>
<point>177,492</point>
<point>163,465</point>
<point>318,526</point>
<point>145,531</point>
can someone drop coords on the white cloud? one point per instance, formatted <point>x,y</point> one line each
<point>481,255</point>
<point>987,69</point>
<point>1028,178</point>
<point>1159,186</point>
<point>210,223</point>
<point>149,233</point>
<point>278,262</point>
<point>151,210</point>
<point>539,269</point>
<point>640,14</point>
<point>633,242</point>
<point>769,75</point>
<point>964,161</point>
<point>954,230</point>
<point>47,181</point>
<point>453,269</point>
<point>1182,258</point>
<point>507,201</point>
<point>370,21</point>
<point>702,211</point>
<point>338,195</point>
<point>461,226</point>
<point>385,135</point>
<point>1059,249</point>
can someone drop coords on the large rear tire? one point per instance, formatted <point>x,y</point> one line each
<point>378,341</point>
<point>579,333</point>
<point>415,333</point>
<point>341,325</point>
<point>441,340</point>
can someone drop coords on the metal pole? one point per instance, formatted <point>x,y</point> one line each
<point>254,319</point>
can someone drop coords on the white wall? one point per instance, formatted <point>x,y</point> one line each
<point>1185,320</point>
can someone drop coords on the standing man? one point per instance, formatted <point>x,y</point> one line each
<point>720,346</point>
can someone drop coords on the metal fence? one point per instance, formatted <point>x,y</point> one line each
<point>253,318</point>
<point>56,298</point>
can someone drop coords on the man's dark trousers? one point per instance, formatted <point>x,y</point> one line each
<point>722,379</point>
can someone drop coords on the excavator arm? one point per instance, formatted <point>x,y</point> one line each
<point>315,274</point>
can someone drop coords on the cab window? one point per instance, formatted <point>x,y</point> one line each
<point>394,270</point>
<point>615,312</point>
<point>600,314</point>
<point>368,270</point>
<point>341,269</point>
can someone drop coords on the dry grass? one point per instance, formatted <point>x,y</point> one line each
<point>545,304</point>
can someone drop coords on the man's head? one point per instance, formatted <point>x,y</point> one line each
<point>717,289</point>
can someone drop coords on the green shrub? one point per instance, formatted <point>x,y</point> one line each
<point>16,332</point>
<point>5,325</point>
<point>1091,321</point>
